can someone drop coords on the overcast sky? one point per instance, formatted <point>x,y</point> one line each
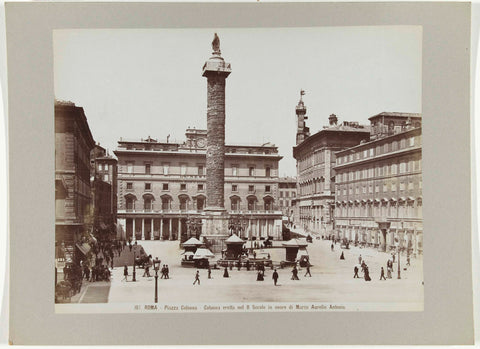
<point>139,83</point>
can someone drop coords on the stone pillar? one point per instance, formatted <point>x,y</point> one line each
<point>383,240</point>
<point>179,232</point>
<point>161,228</point>
<point>143,228</point>
<point>170,229</point>
<point>134,235</point>
<point>151,228</point>
<point>216,70</point>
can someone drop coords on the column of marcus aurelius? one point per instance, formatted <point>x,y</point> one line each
<point>216,218</point>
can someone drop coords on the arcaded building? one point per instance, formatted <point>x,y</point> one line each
<point>379,182</point>
<point>315,155</point>
<point>162,186</point>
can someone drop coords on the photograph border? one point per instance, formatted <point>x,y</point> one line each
<point>446,143</point>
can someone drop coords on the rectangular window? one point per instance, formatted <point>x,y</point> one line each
<point>365,153</point>
<point>394,186</point>
<point>281,202</point>
<point>411,141</point>
<point>200,170</point>
<point>281,194</point>
<point>350,191</point>
<point>357,190</point>
<point>410,185</point>
<point>165,168</point>
<point>364,190</point>
<point>370,189</point>
<point>200,187</point>
<point>384,187</point>
<point>385,148</point>
<point>235,170</point>
<point>377,188</point>
<point>148,186</point>
<point>394,169</point>
<point>402,143</point>
<point>371,152</point>
<point>251,188</point>
<point>183,186</point>
<point>357,156</point>
<point>183,169</point>
<point>105,178</point>
<point>234,187</point>
<point>267,188</point>
<point>129,167</point>
<point>394,146</point>
<point>267,172</point>
<point>251,171</point>
<point>402,186</point>
<point>287,194</point>
<point>344,191</point>
<point>99,167</point>
<point>147,168</point>
<point>129,185</point>
<point>105,167</point>
<point>165,186</point>
<point>403,166</point>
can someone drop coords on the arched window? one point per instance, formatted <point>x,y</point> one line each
<point>200,202</point>
<point>235,203</point>
<point>130,202</point>
<point>147,204</point>
<point>268,203</point>
<point>183,202</point>
<point>251,202</point>
<point>166,202</point>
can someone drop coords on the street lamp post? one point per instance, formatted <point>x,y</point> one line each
<point>156,265</point>
<point>134,274</point>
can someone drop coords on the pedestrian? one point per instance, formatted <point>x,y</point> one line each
<point>360,259</point>
<point>408,260</point>
<point>331,247</point>
<point>259,276</point>
<point>130,246</point>
<point>382,274</point>
<point>197,278</point>
<point>254,255</point>
<point>125,272</point>
<point>355,270</point>
<point>146,270</point>
<point>295,273</point>
<point>366,273</point>
<point>247,264</point>
<point>308,270</point>
<point>342,256</point>
<point>209,272</point>
<point>225,273</point>
<point>393,257</point>
<point>275,277</point>
<point>167,272</point>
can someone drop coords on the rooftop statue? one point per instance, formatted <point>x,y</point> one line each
<point>216,44</point>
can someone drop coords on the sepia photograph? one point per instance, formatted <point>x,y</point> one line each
<point>238,169</point>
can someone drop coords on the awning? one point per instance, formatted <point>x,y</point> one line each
<point>234,239</point>
<point>84,248</point>
<point>192,242</point>
<point>188,253</point>
<point>203,253</point>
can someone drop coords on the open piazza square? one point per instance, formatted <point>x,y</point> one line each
<point>331,281</point>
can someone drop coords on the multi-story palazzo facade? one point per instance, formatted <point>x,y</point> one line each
<point>315,155</point>
<point>162,186</point>
<point>104,191</point>
<point>287,192</point>
<point>380,181</point>
<point>73,144</point>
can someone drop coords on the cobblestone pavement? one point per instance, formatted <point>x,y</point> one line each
<point>332,280</point>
